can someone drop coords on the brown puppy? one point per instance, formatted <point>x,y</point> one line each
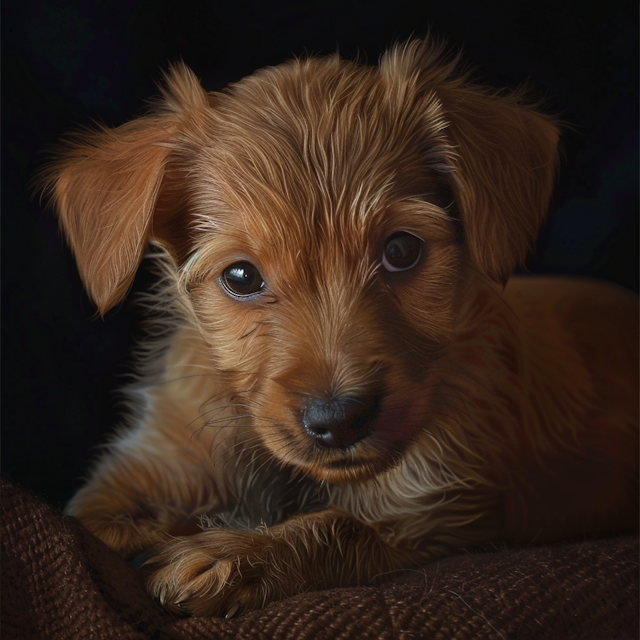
<point>346,387</point>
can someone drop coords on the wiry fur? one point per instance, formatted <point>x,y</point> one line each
<point>500,413</point>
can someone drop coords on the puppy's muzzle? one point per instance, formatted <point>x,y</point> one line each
<point>340,422</point>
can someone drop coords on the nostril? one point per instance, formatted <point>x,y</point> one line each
<point>340,422</point>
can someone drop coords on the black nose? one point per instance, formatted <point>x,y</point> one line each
<point>340,422</point>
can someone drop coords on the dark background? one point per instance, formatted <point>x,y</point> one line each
<point>66,63</point>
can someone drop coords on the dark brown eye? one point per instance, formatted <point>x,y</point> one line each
<point>242,279</point>
<point>401,252</point>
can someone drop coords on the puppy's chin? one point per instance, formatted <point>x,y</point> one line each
<point>349,470</point>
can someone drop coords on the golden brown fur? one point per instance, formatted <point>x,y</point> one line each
<point>492,413</point>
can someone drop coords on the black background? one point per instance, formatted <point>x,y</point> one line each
<point>66,63</point>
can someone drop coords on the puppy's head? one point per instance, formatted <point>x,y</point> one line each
<point>325,217</point>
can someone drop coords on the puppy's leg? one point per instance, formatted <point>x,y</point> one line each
<point>143,488</point>
<point>174,464</point>
<point>222,571</point>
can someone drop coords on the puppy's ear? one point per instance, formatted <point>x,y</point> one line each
<point>105,186</point>
<point>505,163</point>
<point>498,154</point>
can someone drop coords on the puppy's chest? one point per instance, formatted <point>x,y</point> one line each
<point>267,494</point>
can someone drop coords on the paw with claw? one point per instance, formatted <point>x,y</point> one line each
<point>221,572</point>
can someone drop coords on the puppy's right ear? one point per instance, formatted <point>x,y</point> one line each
<point>105,185</point>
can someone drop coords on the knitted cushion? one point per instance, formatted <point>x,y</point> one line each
<point>59,581</point>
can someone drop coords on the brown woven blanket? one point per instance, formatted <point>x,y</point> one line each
<point>58,581</point>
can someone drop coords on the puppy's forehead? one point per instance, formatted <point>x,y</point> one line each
<point>313,144</point>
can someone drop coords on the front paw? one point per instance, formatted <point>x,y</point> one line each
<point>220,572</point>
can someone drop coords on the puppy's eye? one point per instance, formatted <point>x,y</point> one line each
<point>242,279</point>
<point>401,252</point>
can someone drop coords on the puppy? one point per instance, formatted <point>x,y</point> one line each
<point>346,382</point>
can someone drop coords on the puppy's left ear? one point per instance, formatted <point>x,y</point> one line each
<point>505,157</point>
<point>498,154</point>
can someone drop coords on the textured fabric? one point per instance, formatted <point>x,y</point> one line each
<point>58,581</point>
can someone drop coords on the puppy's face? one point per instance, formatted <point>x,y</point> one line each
<point>309,211</point>
<point>324,265</point>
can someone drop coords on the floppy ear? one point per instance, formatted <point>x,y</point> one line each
<point>505,162</point>
<point>105,187</point>
<point>498,154</point>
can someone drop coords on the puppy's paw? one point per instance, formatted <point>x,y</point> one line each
<point>219,572</point>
